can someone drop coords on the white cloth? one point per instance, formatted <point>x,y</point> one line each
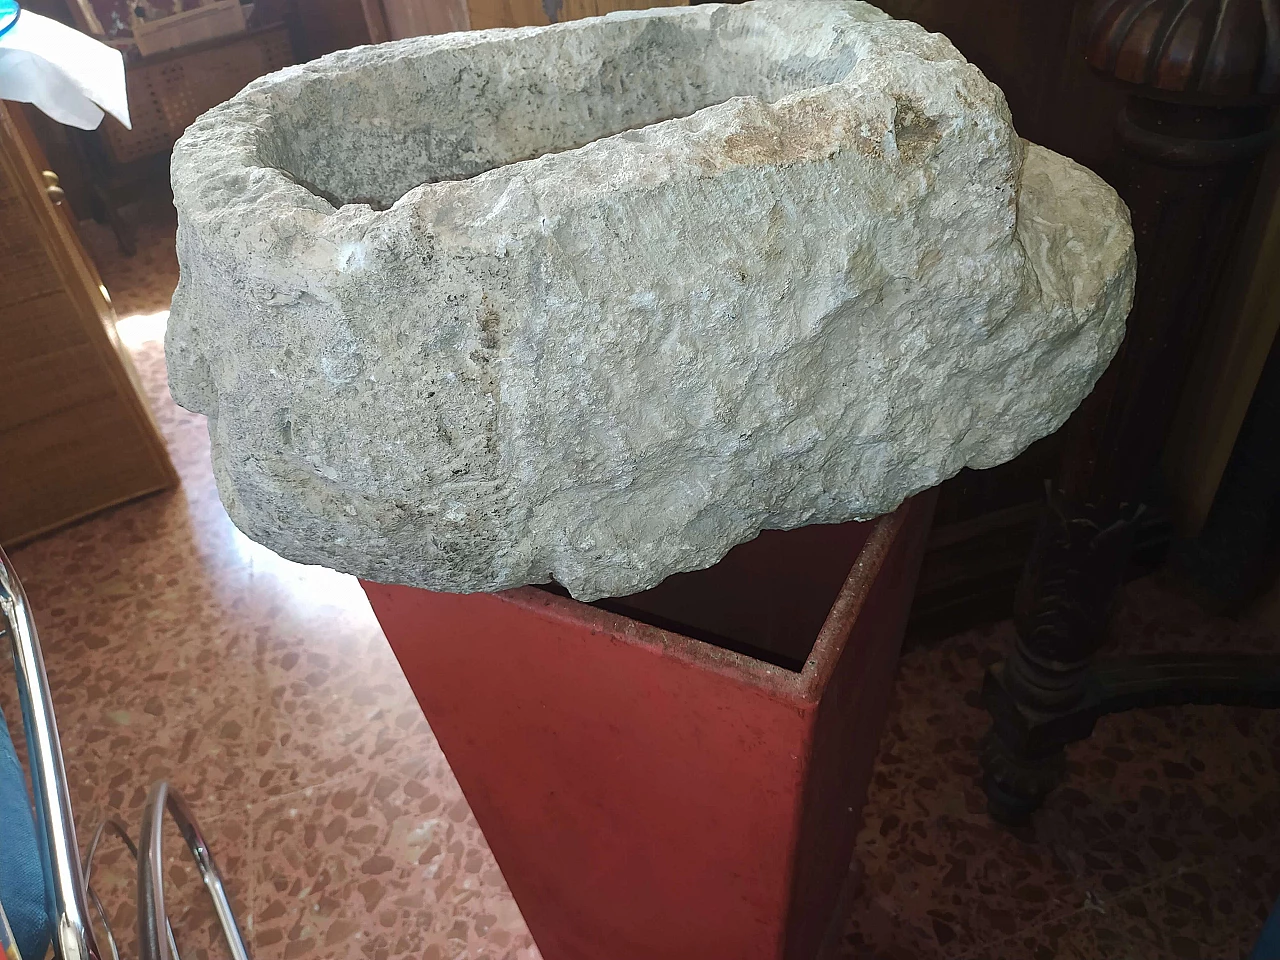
<point>67,74</point>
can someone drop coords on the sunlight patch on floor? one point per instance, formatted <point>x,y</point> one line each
<point>140,328</point>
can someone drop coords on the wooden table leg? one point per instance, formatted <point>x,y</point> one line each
<point>1194,126</point>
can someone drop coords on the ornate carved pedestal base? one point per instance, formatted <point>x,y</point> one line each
<point>1202,88</point>
<point>1039,697</point>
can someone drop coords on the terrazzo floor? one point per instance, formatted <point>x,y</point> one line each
<point>264,691</point>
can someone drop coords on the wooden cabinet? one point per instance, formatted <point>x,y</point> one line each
<point>76,435</point>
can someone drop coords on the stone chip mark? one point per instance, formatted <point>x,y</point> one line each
<point>915,132</point>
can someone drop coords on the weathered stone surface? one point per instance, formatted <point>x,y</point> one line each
<point>601,300</point>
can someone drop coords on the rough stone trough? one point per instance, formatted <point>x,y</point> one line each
<point>596,302</point>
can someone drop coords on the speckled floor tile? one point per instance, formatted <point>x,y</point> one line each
<point>336,702</point>
<point>1192,915</point>
<point>384,864</point>
<point>1152,796</point>
<point>191,912</point>
<point>178,648</point>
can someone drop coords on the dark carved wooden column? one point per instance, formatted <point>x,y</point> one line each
<point>1201,78</point>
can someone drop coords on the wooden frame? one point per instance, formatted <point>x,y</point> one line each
<point>77,436</point>
<point>397,19</point>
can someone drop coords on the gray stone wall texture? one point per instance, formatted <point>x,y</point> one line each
<point>598,301</point>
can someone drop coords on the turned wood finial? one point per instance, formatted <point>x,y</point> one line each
<point>1216,49</point>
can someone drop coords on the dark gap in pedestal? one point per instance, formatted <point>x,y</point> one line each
<point>767,598</point>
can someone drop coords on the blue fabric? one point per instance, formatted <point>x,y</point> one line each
<point>9,10</point>
<point>21,875</point>
<point>1268,945</point>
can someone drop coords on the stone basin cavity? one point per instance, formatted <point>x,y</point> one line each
<point>598,301</point>
<point>474,107</point>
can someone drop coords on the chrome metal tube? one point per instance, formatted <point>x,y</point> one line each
<point>151,875</point>
<point>110,825</point>
<point>65,891</point>
<point>115,825</point>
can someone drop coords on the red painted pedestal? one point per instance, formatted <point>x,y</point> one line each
<point>652,796</point>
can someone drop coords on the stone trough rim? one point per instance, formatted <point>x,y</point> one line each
<point>293,196</point>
